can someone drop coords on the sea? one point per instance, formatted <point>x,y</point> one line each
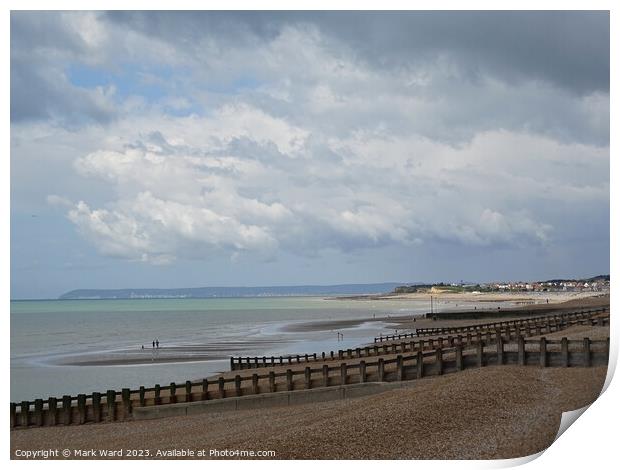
<point>49,337</point>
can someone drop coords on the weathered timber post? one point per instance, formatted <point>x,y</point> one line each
<point>394,348</point>
<point>376,350</point>
<point>96,407</point>
<point>381,369</point>
<point>273,361</point>
<point>142,395</point>
<point>280,360</point>
<point>204,395</point>
<point>340,354</point>
<point>272,381</point>
<point>297,356</point>
<point>126,399</point>
<point>254,384</point>
<point>420,364</point>
<point>66,409</point>
<point>157,394</point>
<point>188,391</point>
<point>238,385</point>
<point>13,414</point>
<point>586,352</point>
<point>500,349</point>
<point>331,355</point>
<point>543,352</point>
<point>565,352</point>
<point>264,361</point>
<point>52,411</point>
<point>439,360</point>
<point>110,397</point>
<point>289,379</point>
<point>173,392</point>
<point>308,377</point>
<point>357,352</point>
<point>366,351</point>
<point>459,356</point>
<point>480,354</point>
<point>399,367</point>
<point>468,338</point>
<point>521,350</point>
<point>306,356</point>
<point>314,355</point>
<point>362,371</point>
<point>325,375</point>
<point>290,360</point>
<point>349,353</point>
<point>220,386</point>
<point>38,411</point>
<point>24,408</point>
<point>81,404</point>
<point>232,363</point>
<point>343,373</point>
<point>323,355</point>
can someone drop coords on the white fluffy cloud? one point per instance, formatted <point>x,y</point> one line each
<point>299,140</point>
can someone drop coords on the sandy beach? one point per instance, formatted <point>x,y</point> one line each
<point>493,412</point>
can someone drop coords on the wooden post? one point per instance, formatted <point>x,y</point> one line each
<point>66,409</point>
<point>173,392</point>
<point>297,356</point>
<point>362,371</point>
<point>126,398</point>
<point>289,379</point>
<point>142,396</point>
<point>543,352</point>
<point>264,361</point>
<point>232,363</point>
<point>205,390</point>
<point>420,364</point>
<point>13,414</point>
<point>343,373</point>
<point>238,385</point>
<point>188,391</point>
<point>254,384</point>
<point>111,404</point>
<point>306,356</point>
<point>480,354</point>
<point>399,367</point>
<point>459,356</point>
<point>24,414</point>
<point>272,381</point>
<point>331,355</point>
<point>381,369</point>
<point>325,375</point>
<point>586,352</point>
<point>38,410</point>
<point>357,352</point>
<point>439,360</point>
<point>52,411</point>
<point>366,351</point>
<point>500,349</point>
<point>565,352</point>
<point>96,407</point>
<point>157,394</point>
<point>376,350</point>
<point>323,355</point>
<point>81,403</point>
<point>349,354</point>
<point>521,350</point>
<point>220,386</point>
<point>340,354</point>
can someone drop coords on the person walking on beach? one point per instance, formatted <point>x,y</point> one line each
<point>153,344</point>
<point>157,343</point>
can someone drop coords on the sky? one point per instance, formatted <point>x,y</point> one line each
<point>185,149</point>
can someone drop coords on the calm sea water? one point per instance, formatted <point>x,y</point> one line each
<point>46,333</point>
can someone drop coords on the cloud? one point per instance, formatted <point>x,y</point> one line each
<point>202,134</point>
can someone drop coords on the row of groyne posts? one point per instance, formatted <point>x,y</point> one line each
<point>446,355</point>
<point>533,326</point>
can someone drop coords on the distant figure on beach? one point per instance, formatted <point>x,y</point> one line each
<point>157,343</point>
<point>153,344</point>
<point>143,346</point>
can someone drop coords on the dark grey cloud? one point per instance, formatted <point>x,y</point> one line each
<point>567,48</point>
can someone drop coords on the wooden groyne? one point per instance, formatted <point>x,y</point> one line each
<point>119,406</point>
<point>510,330</point>
<point>521,323</point>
